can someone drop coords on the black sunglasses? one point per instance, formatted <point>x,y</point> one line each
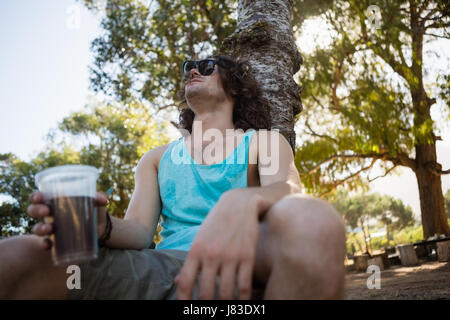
<point>205,67</point>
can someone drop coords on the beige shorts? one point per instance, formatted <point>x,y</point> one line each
<point>145,274</point>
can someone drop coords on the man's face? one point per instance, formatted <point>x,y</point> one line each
<point>200,89</point>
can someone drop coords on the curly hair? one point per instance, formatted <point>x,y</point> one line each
<point>250,109</point>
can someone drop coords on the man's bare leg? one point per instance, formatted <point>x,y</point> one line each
<point>27,271</point>
<point>301,250</point>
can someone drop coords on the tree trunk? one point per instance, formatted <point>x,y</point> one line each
<point>387,234</point>
<point>430,188</point>
<point>264,37</point>
<point>365,236</point>
<point>432,207</point>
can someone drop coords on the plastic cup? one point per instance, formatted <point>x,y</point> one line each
<point>70,192</point>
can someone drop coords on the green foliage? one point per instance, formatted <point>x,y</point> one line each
<point>409,235</point>
<point>124,134</point>
<point>355,243</point>
<point>17,182</point>
<point>113,139</point>
<point>303,9</point>
<point>358,210</point>
<point>142,48</point>
<point>360,95</point>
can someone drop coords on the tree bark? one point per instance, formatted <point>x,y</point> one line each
<point>434,219</point>
<point>364,235</point>
<point>264,37</point>
<point>387,234</point>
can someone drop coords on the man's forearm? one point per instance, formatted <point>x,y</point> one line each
<point>127,234</point>
<point>270,194</point>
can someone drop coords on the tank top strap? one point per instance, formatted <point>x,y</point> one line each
<point>240,154</point>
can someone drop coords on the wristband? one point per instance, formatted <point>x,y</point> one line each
<point>107,234</point>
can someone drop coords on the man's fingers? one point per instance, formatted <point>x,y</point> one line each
<point>227,281</point>
<point>187,278</point>
<point>42,229</point>
<point>38,211</point>
<point>46,243</point>
<point>245,280</point>
<point>36,197</point>
<point>101,199</point>
<point>207,283</point>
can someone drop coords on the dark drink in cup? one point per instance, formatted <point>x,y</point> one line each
<point>73,213</point>
<point>69,191</point>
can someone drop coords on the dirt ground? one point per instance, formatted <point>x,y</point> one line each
<point>428,281</point>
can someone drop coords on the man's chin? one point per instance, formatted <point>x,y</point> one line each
<point>197,94</point>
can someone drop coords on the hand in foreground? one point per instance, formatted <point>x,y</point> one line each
<point>38,210</point>
<point>225,246</point>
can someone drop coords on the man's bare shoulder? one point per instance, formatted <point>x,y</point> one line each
<point>152,157</point>
<point>269,140</point>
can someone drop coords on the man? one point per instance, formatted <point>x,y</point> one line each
<point>232,221</point>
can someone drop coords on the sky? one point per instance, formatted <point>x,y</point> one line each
<point>43,62</point>
<point>44,77</point>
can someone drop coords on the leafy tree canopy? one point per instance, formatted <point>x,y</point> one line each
<point>111,137</point>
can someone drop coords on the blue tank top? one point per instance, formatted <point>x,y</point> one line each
<point>189,190</point>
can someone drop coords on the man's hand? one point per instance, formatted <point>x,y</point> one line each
<point>225,246</point>
<point>39,210</point>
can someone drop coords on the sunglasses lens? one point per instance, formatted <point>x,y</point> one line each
<point>206,67</point>
<point>188,66</point>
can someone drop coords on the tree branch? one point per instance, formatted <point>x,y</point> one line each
<point>337,80</point>
<point>436,168</point>
<point>430,13</point>
<point>176,125</point>
<point>401,159</point>
<point>400,68</point>
<point>166,106</point>
<point>384,175</point>
<point>435,35</point>
<point>437,25</point>
<point>339,182</point>
<point>315,134</point>
<point>317,100</point>
<point>376,156</point>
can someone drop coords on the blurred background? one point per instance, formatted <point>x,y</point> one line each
<point>95,82</point>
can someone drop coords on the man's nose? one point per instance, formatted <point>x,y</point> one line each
<point>193,72</point>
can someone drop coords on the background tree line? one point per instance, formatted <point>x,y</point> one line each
<point>110,137</point>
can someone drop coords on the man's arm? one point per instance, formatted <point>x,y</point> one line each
<point>277,172</point>
<point>136,230</point>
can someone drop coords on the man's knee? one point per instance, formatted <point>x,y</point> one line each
<point>15,255</point>
<point>298,217</point>
<point>19,249</point>
<point>311,237</point>
<point>25,268</point>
